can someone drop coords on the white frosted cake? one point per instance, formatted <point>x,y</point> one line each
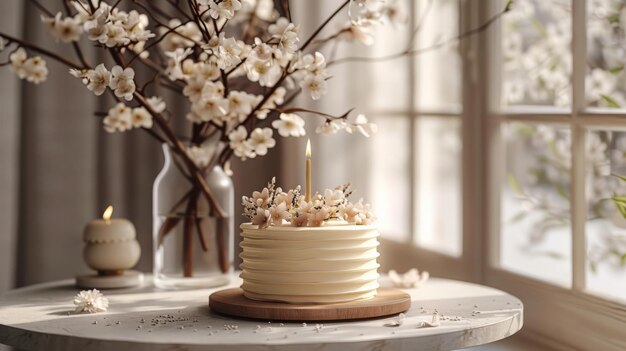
<point>335,262</point>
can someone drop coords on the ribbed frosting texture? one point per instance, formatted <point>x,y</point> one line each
<point>332,263</point>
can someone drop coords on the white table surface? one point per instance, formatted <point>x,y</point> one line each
<point>40,317</point>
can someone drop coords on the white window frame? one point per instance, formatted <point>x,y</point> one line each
<point>468,266</point>
<point>565,318</point>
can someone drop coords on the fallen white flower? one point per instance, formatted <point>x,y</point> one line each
<point>410,279</point>
<point>91,301</point>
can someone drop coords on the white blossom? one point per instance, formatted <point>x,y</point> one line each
<point>225,9</point>
<point>174,70</point>
<point>208,69</point>
<point>157,104</point>
<point>228,52</point>
<point>315,85</point>
<point>360,124</point>
<point>96,27</point>
<point>261,51</point>
<point>237,136</point>
<point>240,103</point>
<point>66,29</point>
<point>118,119</point>
<point>115,36</point>
<point>36,69</point>
<point>261,140</point>
<point>239,143</point>
<point>331,127</point>
<point>98,79</point>
<point>194,87</point>
<point>210,108</point>
<point>212,90</point>
<point>267,73</point>
<point>141,118</point>
<point>201,155</point>
<point>289,124</point>
<point>33,69</point>
<point>210,105</point>
<point>122,82</point>
<point>313,64</point>
<point>287,34</point>
<point>17,59</point>
<point>277,98</point>
<point>183,36</point>
<point>91,301</point>
<point>135,25</point>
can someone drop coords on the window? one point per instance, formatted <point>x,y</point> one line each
<point>434,118</point>
<point>555,139</point>
<point>417,103</point>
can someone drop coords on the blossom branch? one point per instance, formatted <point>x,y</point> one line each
<point>40,50</point>
<point>323,25</point>
<point>411,52</point>
<point>322,114</point>
<point>75,46</point>
<point>201,24</point>
<point>420,24</point>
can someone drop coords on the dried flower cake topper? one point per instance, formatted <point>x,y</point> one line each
<point>273,206</point>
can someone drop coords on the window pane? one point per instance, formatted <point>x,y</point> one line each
<point>389,176</point>
<point>536,56</point>
<point>438,72</point>
<point>606,226</point>
<point>606,54</point>
<point>438,180</point>
<point>535,219</point>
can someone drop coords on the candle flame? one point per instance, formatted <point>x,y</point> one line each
<point>308,148</point>
<point>107,213</point>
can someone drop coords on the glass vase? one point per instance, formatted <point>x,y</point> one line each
<point>193,247</point>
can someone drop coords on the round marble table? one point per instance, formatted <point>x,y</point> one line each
<point>41,317</point>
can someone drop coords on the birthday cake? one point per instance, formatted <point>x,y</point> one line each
<point>299,250</point>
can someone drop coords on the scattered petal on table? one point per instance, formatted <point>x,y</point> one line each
<point>412,278</point>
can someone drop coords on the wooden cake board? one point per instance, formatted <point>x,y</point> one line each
<point>232,302</point>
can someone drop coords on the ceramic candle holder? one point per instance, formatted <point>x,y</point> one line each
<point>111,249</point>
<point>111,246</point>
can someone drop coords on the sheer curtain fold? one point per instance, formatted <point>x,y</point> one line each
<point>59,168</point>
<point>10,13</point>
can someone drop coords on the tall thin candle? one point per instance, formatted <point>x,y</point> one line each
<point>307,195</point>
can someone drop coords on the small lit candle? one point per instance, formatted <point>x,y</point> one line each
<point>111,246</point>
<point>307,194</point>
